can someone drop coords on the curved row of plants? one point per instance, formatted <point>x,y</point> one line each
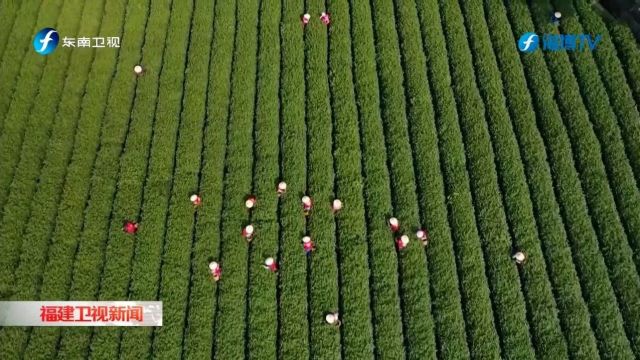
<point>115,174</point>
<point>589,156</point>
<point>482,337</point>
<point>22,171</point>
<point>262,307</point>
<point>573,313</point>
<point>229,328</point>
<point>322,275</point>
<point>419,332</point>
<point>14,65</point>
<point>508,302</point>
<point>110,135</point>
<point>201,308</point>
<point>423,137</point>
<point>293,322</point>
<point>47,192</point>
<point>16,110</point>
<point>383,266</point>
<point>351,235</point>
<point>590,264</point>
<point>547,335</point>
<point>625,108</point>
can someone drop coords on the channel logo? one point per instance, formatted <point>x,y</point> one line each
<point>528,42</point>
<point>46,41</point>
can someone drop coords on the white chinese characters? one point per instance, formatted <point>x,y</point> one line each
<point>94,42</point>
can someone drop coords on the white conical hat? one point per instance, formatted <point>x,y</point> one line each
<point>306,239</point>
<point>337,204</point>
<point>194,197</point>
<point>213,265</point>
<point>268,261</point>
<point>249,229</point>
<point>393,221</point>
<point>404,239</point>
<point>137,69</point>
<point>420,233</point>
<point>306,16</point>
<point>249,203</point>
<point>557,14</point>
<point>330,318</point>
<point>323,14</point>
<point>519,256</point>
<point>282,185</point>
<point>306,200</point>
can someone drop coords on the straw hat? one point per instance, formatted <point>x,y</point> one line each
<point>306,239</point>
<point>331,318</point>
<point>213,265</point>
<point>519,256</point>
<point>249,229</point>
<point>268,261</point>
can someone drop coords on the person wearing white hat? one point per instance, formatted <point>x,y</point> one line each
<point>195,199</point>
<point>519,257</point>
<point>270,264</point>
<point>394,224</point>
<point>402,242</point>
<point>282,188</point>
<point>423,236</point>
<point>336,205</point>
<point>250,202</point>
<point>305,19</point>
<point>307,204</point>
<point>333,319</point>
<point>138,70</point>
<point>308,245</point>
<point>555,17</point>
<point>215,270</point>
<point>324,17</point>
<point>247,232</point>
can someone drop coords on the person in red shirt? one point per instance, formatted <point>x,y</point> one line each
<point>423,236</point>
<point>308,245</point>
<point>402,242</point>
<point>195,199</point>
<point>305,19</point>
<point>270,264</point>
<point>247,232</point>
<point>130,227</point>
<point>307,204</point>
<point>216,271</point>
<point>282,188</point>
<point>250,202</point>
<point>324,17</point>
<point>394,224</point>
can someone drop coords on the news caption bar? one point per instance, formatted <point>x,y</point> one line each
<point>80,313</point>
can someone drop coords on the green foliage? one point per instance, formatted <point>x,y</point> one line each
<point>482,336</point>
<point>573,312</point>
<point>351,236</point>
<point>590,261</point>
<point>385,298</point>
<point>419,109</point>
<point>545,327</point>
